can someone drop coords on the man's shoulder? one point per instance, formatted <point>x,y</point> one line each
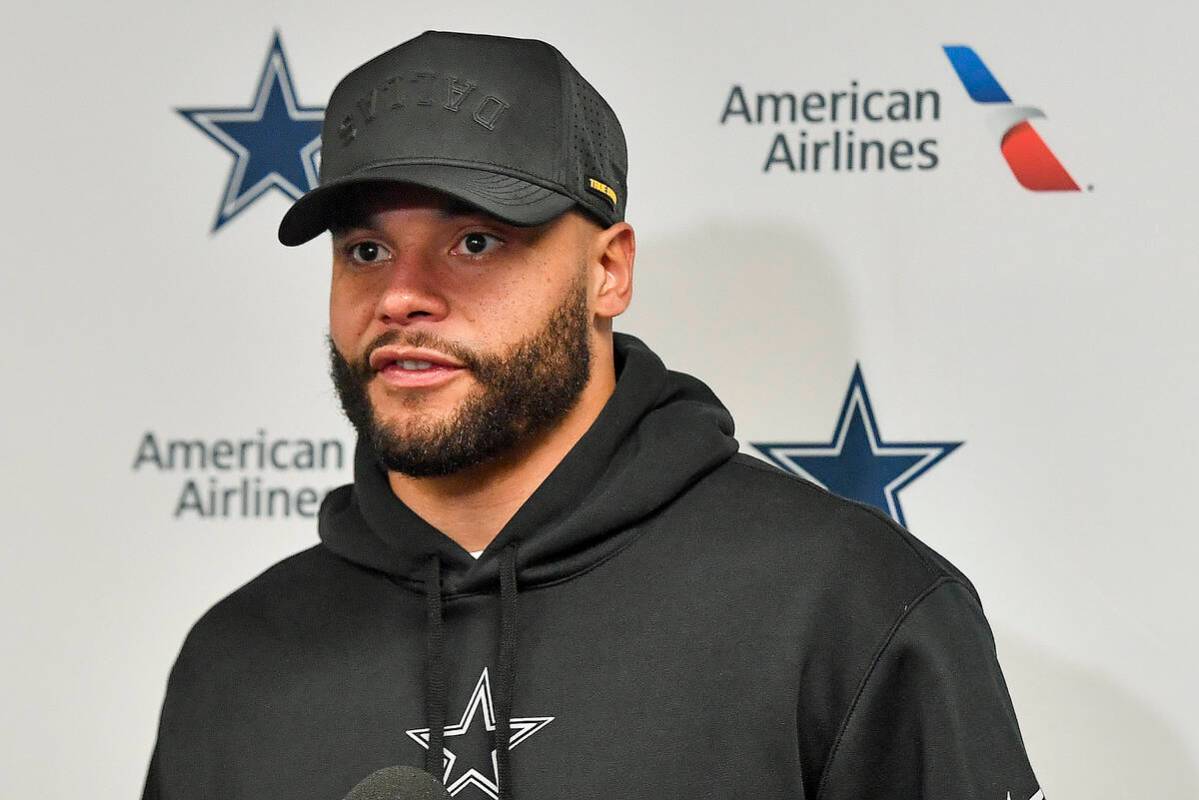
<point>781,515</point>
<point>279,603</point>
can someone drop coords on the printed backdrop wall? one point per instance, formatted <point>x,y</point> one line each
<point>996,344</point>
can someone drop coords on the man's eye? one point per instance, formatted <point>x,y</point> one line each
<point>476,243</point>
<point>368,252</point>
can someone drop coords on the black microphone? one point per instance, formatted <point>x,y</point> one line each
<point>398,783</point>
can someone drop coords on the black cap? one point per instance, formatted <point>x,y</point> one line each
<point>506,125</point>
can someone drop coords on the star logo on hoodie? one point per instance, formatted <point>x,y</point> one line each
<point>480,702</point>
<point>857,463</point>
<point>275,141</point>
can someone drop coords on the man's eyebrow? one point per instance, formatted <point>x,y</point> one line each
<point>343,224</point>
<point>363,221</point>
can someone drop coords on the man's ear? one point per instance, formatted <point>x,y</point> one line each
<point>613,253</point>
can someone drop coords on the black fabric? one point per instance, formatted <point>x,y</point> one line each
<point>693,622</point>
<point>434,674</point>
<point>506,124</point>
<point>506,673</point>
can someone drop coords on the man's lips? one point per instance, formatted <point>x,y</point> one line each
<point>412,367</point>
<point>387,356</point>
<point>395,374</point>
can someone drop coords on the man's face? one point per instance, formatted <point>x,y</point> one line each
<point>506,308</point>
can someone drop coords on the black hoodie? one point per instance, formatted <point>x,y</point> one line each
<point>663,618</point>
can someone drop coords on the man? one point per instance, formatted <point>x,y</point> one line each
<point>554,576</point>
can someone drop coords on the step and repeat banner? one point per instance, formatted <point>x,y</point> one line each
<point>937,257</point>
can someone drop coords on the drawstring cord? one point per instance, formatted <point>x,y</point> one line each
<point>506,672</point>
<point>434,672</point>
<point>435,694</point>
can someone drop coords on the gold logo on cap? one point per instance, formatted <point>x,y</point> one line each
<point>604,189</point>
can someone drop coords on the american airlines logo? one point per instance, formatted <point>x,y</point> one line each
<point>1032,162</point>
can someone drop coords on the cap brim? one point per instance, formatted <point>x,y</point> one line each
<point>510,199</point>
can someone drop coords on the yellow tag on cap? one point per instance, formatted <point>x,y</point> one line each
<point>604,189</point>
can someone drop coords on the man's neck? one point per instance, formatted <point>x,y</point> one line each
<point>472,506</point>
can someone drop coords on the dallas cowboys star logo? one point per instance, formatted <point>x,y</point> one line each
<point>857,463</point>
<point>275,141</point>
<point>480,701</point>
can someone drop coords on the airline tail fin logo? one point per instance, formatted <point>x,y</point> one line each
<point>1032,162</point>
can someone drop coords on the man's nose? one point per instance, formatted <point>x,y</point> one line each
<point>412,290</point>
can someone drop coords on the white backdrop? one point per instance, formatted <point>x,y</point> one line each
<point>1053,333</point>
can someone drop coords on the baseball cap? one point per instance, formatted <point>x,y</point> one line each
<point>503,124</point>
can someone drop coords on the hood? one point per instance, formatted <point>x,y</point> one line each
<point>659,433</point>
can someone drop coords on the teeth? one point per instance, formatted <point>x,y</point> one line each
<point>415,364</point>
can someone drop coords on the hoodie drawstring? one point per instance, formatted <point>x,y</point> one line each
<point>506,670</point>
<point>435,683</point>
<point>434,673</point>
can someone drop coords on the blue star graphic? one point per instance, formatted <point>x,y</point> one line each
<point>857,463</point>
<point>275,141</point>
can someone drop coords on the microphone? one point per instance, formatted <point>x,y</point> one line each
<point>398,783</point>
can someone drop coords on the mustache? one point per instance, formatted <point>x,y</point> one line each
<point>420,339</point>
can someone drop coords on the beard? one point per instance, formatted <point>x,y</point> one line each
<point>520,394</point>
